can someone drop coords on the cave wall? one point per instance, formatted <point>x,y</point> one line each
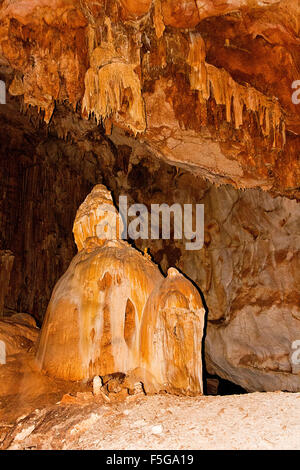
<point>205,85</point>
<point>248,269</point>
<point>43,181</point>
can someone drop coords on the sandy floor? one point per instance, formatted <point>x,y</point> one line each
<point>251,421</point>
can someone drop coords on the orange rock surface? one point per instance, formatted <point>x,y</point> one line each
<point>205,84</point>
<point>171,336</point>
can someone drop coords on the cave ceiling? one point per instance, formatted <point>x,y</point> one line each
<point>203,85</point>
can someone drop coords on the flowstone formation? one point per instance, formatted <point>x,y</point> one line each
<point>113,312</point>
<point>6,263</point>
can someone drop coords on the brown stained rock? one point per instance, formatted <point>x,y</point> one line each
<point>111,323</point>
<point>17,336</point>
<point>185,60</point>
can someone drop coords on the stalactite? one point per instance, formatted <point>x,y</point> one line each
<point>6,263</point>
<point>218,83</point>
<point>112,88</point>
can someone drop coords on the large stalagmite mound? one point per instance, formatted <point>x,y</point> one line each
<point>113,312</point>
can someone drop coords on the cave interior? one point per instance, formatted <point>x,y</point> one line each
<point>164,103</point>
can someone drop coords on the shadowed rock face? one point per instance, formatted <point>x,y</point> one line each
<point>195,106</point>
<point>114,323</point>
<point>6,262</point>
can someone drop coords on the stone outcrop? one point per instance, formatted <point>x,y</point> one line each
<point>113,312</point>
<point>249,275</point>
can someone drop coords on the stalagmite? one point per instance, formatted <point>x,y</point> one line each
<point>101,312</point>
<point>96,212</point>
<point>92,322</point>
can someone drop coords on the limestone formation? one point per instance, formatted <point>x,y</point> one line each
<point>102,297</point>
<point>112,87</point>
<point>171,335</point>
<point>166,101</point>
<point>112,304</point>
<point>212,81</point>
<point>97,213</point>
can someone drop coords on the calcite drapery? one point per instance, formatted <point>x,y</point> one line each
<point>127,63</point>
<point>171,333</point>
<point>6,263</point>
<point>102,316</point>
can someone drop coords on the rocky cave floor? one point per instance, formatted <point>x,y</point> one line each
<point>265,421</point>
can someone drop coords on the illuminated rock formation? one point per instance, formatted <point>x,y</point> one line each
<point>97,212</point>
<point>211,81</point>
<point>6,263</point>
<point>92,322</point>
<point>102,303</point>
<point>112,87</point>
<point>166,100</point>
